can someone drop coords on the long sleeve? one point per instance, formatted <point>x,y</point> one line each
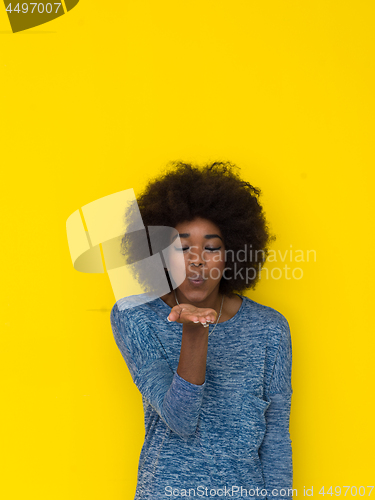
<point>276,449</point>
<point>176,400</point>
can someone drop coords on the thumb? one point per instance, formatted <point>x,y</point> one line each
<point>175,313</point>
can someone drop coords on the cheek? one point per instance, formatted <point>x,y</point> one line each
<point>217,266</point>
<point>219,260</point>
<point>176,264</point>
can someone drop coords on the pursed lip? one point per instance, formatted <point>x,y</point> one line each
<point>197,277</point>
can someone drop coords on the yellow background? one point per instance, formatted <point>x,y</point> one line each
<point>100,100</point>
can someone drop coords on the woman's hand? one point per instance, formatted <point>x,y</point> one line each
<point>189,314</point>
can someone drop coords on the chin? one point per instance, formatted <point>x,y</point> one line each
<point>195,293</point>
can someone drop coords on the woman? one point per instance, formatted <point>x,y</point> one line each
<point>213,366</point>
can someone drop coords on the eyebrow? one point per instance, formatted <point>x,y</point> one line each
<point>207,236</point>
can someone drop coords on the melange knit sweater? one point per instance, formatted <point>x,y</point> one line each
<point>228,437</point>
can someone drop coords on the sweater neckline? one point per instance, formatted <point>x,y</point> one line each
<point>228,321</point>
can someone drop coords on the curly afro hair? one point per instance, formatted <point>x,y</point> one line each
<point>215,192</point>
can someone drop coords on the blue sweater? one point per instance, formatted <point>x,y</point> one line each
<point>229,434</point>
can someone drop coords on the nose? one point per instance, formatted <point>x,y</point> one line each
<point>196,260</point>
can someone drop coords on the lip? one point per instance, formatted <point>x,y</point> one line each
<point>197,277</point>
<point>197,281</point>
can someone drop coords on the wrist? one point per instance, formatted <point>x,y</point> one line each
<point>195,329</point>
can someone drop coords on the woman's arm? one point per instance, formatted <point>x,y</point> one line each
<point>176,397</point>
<point>193,354</point>
<point>275,452</point>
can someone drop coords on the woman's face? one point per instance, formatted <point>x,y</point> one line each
<point>203,249</point>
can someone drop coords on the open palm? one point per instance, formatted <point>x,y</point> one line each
<point>187,313</point>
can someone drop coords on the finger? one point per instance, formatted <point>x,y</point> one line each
<point>190,317</point>
<point>209,318</point>
<point>174,314</point>
<point>193,319</point>
<point>203,321</point>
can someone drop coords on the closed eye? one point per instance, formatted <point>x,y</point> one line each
<point>187,248</point>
